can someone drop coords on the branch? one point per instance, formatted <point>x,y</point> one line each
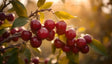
<point>7,39</point>
<point>32,14</point>
<point>5,5</point>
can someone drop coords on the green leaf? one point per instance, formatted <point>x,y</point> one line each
<point>40,3</point>
<point>41,17</point>
<point>27,53</point>
<point>46,5</point>
<point>63,15</point>
<point>53,49</point>
<point>19,8</point>
<point>2,31</point>
<point>10,10</point>
<point>20,21</point>
<point>38,50</point>
<point>13,57</point>
<point>73,58</point>
<point>63,60</point>
<point>62,38</point>
<point>20,61</point>
<point>98,47</point>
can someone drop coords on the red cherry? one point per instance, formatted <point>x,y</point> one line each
<point>42,33</point>
<point>58,43</point>
<point>35,25</point>
<point>26,35</point>
<point>75,49</point>
<point>85,49</point>
<point>66,48</point>
<point>13,31</point>
<point>81,42</point>
<point>88,38</point>
<point>51,35</point>
<point>1,38</point>
<point>15,39</point>
<point>35,61</point>
<point>6,34</point>
<point>26,61</point>
<point>1,22</point>
<point>2,16</point>
<point>71,42</point>
<point>49,24</point>
<point>70,34</point>
<point>61,27</point>
<point>46,61</point>
<point>10,17</point>
<point>35,42</point>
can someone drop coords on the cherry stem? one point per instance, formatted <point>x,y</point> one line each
<point>32,14</point>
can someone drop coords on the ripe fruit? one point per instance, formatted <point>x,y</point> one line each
<point>88,38</point>
<point>35,25</point>
<point>35,61</point>
<point>46,61</point>
<point>10,17</point>
<point>15,39</point>
<point>58,43</point>
<point>26,35</point>
<point>49,24</point>
<point>42,33</point>
<point>35,42</point>
<point>70,34</point>
<point>66,48</point>
<point>1,22</point>
<point>71,42</point>
<point>51,35</point>
<point>81,42</point>
<point>26,61</point>
<point>1,38</point>
<point>6,34</point>
<point>75,49</point>
<point>61,27</point>
<point>13,31</point>
<point>85,49</point>
<point>2,16</point>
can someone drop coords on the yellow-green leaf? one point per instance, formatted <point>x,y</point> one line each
<point>5,25</point>
<point>10,10</point>
<point>40,3</point>
<point>63,15</point>
<point>41,17</point>
<point>46,5</point>
<point>62,38</point>
<point>19,8</point>
<point>63,60</point>
<point>98,47</point>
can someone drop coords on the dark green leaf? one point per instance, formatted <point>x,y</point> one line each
<point>40,3</point>
<point>63,15</point>
<point>19,8</point>
<point>20,21</point>
<point>27,53</point>
<point>46,5</point>
<point>2,31</point>
<point>53,49</point>
<point>98,47</point>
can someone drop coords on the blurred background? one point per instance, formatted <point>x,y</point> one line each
<point>92,16</point>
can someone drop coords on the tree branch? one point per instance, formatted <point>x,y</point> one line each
<point>5,5</point>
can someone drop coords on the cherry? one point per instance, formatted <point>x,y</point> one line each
<point>6,34</point>
<point>81,42</point>
<point>42,33</point>
<point>66,48</point>
<point>15,39</point>
<point>71,42</point>
<point>2,16</point>
<point>10,17</point>
<point>58,43</point>
<point>88,38</point>
<point>85,49</point>
<point>26,35</point>
<point>75,49</point>
<point>49,24</point>
<point>35,25</point>
<point>70,34</point>
<point>51,35</point>
<point>35,61</point>
<point>26,61</point>
<point>61,27</point>
<point>1,38</point>
<point>1,22</point>
<point>35,42</point>
<point>13,31</point>
<point>21,29</point>
<point>46,61</point>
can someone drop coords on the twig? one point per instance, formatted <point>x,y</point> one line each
<point>5,5</point>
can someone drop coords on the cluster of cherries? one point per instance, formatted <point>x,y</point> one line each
<point>9,17</point>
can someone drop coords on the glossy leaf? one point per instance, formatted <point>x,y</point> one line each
<point>40,3</point>
<point>20,21</point>
<point>27,53</point>
<point>46,5</point>
<point>19,8</point>
<point>41,17</point>
<point>5,25</point>
<point>63,15</point>
<point>98,47</point>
